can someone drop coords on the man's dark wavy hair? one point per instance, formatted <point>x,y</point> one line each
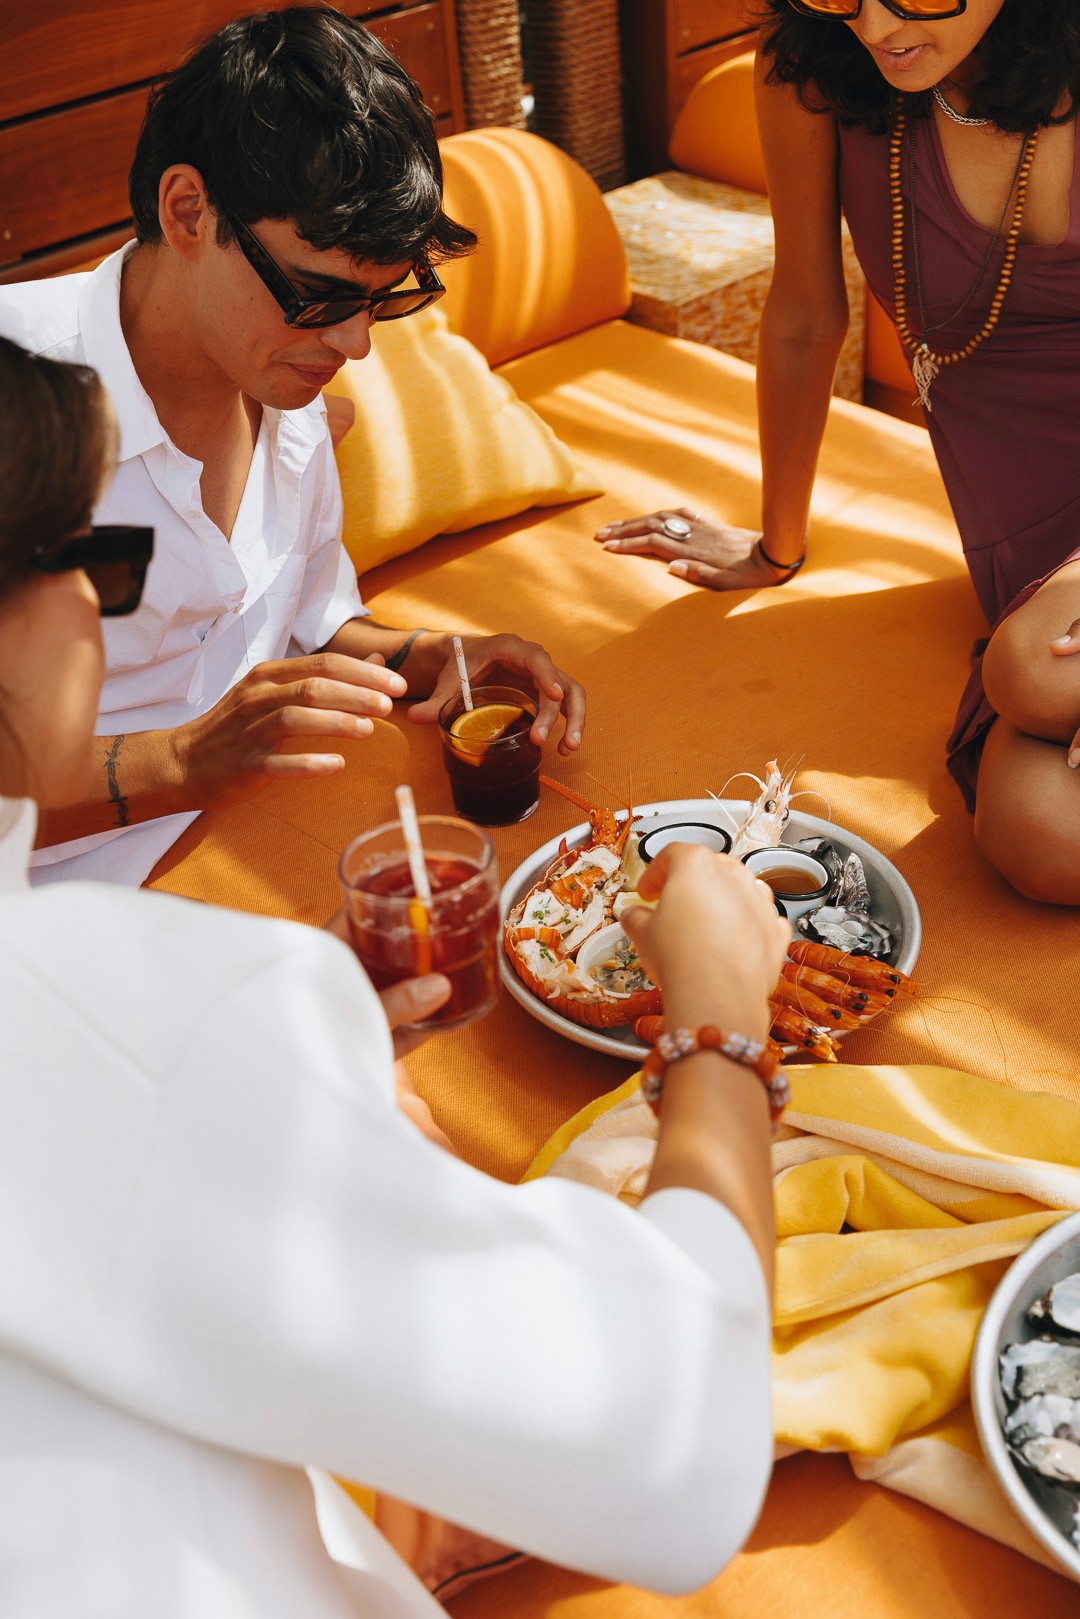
<point>301,114</point>
<point>1030,54</point>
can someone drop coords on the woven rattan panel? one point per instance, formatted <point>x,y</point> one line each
<point>573,59</point>
<point>489,39</point>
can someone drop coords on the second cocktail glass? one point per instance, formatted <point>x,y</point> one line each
<point>492,763</point>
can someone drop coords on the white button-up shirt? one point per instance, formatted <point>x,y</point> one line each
<point>213,608</point>
<point>227,1256</point>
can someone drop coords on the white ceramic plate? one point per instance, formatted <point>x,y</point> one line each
<point>892,904</point>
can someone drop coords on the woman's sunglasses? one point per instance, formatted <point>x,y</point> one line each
<point>116,559</point>
<point>315,312</point>
<point>909,10</point>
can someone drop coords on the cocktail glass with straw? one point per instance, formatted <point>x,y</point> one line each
<point>398,932</point>
<point>489,755</point>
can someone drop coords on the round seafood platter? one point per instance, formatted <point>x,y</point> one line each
<point>1025,1389</point>
<point>890,902</point>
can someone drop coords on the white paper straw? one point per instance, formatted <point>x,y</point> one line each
<point>410,828</point>
<point>463,673</point>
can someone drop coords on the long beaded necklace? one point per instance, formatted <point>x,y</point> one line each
<point>927,362</point>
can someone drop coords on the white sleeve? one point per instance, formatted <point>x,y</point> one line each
<point>330,595</point>
<point>285,1267</point>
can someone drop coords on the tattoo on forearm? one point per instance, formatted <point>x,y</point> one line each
<point>115,795</point>
<point>403,651</point>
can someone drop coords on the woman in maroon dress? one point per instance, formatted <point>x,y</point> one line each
<point>947,132</point>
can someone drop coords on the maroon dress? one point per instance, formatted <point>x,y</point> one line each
<point>1005,423</point>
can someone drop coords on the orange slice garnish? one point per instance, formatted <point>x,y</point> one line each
<point>477,728</point>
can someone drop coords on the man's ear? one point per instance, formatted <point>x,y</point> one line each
<point>185,216</point>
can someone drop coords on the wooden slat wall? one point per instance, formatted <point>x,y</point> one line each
<point>418,37</point>
<point>689,69</point>
<point>703,22</point>
<point>54,51</point>
<point>65,174</point>
<point>668,45</point>
<point>73,90</point>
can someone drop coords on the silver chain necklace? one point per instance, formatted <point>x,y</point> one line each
<point>950,112</point>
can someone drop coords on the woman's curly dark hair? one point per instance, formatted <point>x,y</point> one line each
<point>1030,56</point>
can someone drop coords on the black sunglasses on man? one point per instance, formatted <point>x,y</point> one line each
<point>115,557</point>
<point>908,10</point>
<point>316,312</point>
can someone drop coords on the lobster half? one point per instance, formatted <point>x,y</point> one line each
<point>563,938</point>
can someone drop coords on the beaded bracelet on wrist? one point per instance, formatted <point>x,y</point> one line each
<point>675,1044</point>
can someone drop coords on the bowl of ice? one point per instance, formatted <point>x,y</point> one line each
<point>1025,1389</point>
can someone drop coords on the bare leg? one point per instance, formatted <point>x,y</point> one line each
<point>1027,815</point>
<point>1028,684</point>
<point>1027,812</point>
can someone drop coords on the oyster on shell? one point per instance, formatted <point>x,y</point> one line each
<point>1057,1459</point>
<point>1042,1366</point>
<point>846,929</point>
<point>847,877</point>
<point>1061,1306</point>
<point>1044,1416</point>
<point>852,893</point>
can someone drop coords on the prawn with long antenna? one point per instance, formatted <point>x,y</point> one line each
<point>763,825</point>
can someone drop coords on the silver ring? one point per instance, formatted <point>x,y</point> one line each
<point>676,528</point>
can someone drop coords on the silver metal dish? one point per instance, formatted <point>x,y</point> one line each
<point>892,900</point>
<point>1050,1257</point>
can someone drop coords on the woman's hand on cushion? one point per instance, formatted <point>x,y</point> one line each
<point>508,660</point>
<point>714,554</point>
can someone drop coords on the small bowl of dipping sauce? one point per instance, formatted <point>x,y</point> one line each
<point>658,837</point>
<point>799,881</point>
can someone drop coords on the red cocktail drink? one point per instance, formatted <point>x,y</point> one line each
<point>492,763</point>
<point>397,936</point>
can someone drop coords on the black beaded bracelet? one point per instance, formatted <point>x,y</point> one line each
<point>790,568</point>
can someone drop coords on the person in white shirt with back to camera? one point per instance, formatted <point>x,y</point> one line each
<point>287,193</point>
<point>228,1255</point>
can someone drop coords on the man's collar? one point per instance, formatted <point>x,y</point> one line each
<point>106,350</point>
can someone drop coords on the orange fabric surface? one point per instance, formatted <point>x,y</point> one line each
<point>826,1547</point>
<point>715,131</point>
<point>549,263</point>
<point>853,669</point>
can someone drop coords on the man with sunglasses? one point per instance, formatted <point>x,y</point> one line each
<point>287,194</point>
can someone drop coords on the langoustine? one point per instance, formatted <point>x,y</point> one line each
<point>816,999</point>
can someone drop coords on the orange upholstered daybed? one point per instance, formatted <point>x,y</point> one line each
<point>853,669</point>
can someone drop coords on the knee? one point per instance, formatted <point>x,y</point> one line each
<point>1035,854</point>
<point>1024,682</point>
